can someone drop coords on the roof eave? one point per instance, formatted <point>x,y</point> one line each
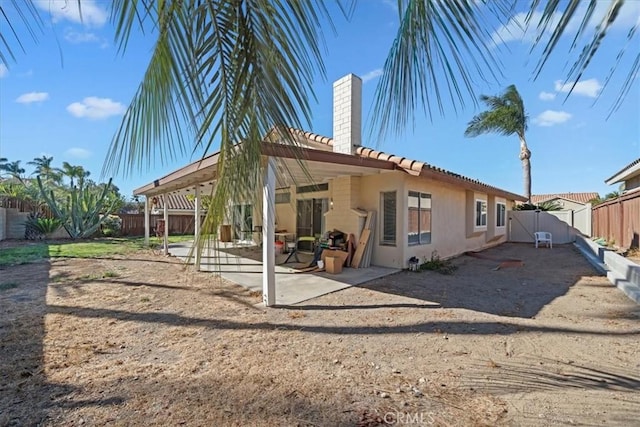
<point>625,174</point>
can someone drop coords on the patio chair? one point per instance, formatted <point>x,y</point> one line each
<point>543,237</point>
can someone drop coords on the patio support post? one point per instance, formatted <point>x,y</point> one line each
<point>268,234</point>
<point>146,220</point>
<point>165,198</point>
<point>197,228</point>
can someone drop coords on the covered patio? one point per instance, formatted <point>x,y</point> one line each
<point>237,263</point>
<point>283,165</point>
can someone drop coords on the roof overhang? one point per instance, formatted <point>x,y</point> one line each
<point>630,171</point>
<point>294,166</point>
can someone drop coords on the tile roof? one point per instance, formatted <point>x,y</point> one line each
<point>413,167</point>
<point>175,202</point>
<point>575,197</point>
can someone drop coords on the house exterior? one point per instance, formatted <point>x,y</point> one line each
<point>628,175</point>
<point>420,208</point>
<point>567,201</point>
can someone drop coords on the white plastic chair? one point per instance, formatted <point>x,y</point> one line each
<point>543,237</point>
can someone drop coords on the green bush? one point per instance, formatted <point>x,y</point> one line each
<point>442,266</point>
<point>111,226</point>
<point>37,228</point>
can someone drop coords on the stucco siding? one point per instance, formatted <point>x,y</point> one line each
<point>371,188</point>
<point>345,194</point>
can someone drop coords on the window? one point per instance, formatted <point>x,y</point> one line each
<point>419,207</point>
<point>481,213</point>
<point>388,209</point>
<point>312,188</point>
<point>501,213</point>
<point>283,197</point>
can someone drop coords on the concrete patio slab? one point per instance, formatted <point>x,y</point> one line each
<point>292,286</point>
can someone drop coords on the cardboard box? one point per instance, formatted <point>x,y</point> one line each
<point>333,265</point>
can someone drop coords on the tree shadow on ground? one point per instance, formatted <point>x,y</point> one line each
<point>513,291</point>
<point>27,397</point>
<point>451,327</point>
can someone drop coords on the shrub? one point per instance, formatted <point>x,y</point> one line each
<point>442,266</point>
<point>111,226</point>
<point>37,228</point>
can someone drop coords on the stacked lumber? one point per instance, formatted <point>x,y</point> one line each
<point>362,256</point>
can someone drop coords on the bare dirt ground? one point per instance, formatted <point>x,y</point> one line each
<point>141,341</point>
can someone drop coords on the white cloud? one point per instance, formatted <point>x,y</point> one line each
<point>517,30</point>
<point>78,153</point>
<point>90,13</point>
<point>372,75</point>
<point>28,98</point>
<point>551,117</point>
<point>590,88</point>
<point>77,37</point>
<point>547,96</point>
<point>84,37</point>
<point>3,71</point>
<point>96,108</point>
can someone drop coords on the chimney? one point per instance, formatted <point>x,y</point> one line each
<point>347,114</point>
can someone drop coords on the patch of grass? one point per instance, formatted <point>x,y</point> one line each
<point>28,253</point>
<point>7,286</point>
<point>110,273</point>
<point>95,248</point>
<point>442,266</point>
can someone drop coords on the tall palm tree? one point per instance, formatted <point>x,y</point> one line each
<point>44,168</point>
<point>507,116</point>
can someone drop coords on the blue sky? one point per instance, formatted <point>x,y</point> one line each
<point>66,96</point>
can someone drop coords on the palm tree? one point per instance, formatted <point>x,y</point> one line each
<point>74,172</point>
<point>506,115</point>
<point>43,168</point>
<point>15,170</point>
<point>224,71</point>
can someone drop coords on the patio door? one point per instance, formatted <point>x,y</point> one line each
<point>242,222</point>
<point>310,216</point>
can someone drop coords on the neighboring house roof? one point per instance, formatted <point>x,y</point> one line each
<point>583,198</point>
<point>175,202</point>
<point>626,173</point>
<point>413,167</point>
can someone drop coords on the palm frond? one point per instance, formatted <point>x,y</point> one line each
<point>28,17</point>
<point>439,52</point>
<point>555,20</point>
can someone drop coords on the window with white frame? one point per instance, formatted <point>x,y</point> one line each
<point>388,224</point>
<point>481,213</point>
<point>419,218</point>
<point>501,214</point>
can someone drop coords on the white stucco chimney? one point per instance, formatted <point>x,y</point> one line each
<point>347,114</point>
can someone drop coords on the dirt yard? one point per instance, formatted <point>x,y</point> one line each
<point>141,341</point>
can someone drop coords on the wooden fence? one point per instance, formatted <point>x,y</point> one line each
<point>133,224</point>
<point>618,221</point>
<point>25,206</point>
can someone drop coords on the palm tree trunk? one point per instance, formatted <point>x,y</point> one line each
<point>525,156</point>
